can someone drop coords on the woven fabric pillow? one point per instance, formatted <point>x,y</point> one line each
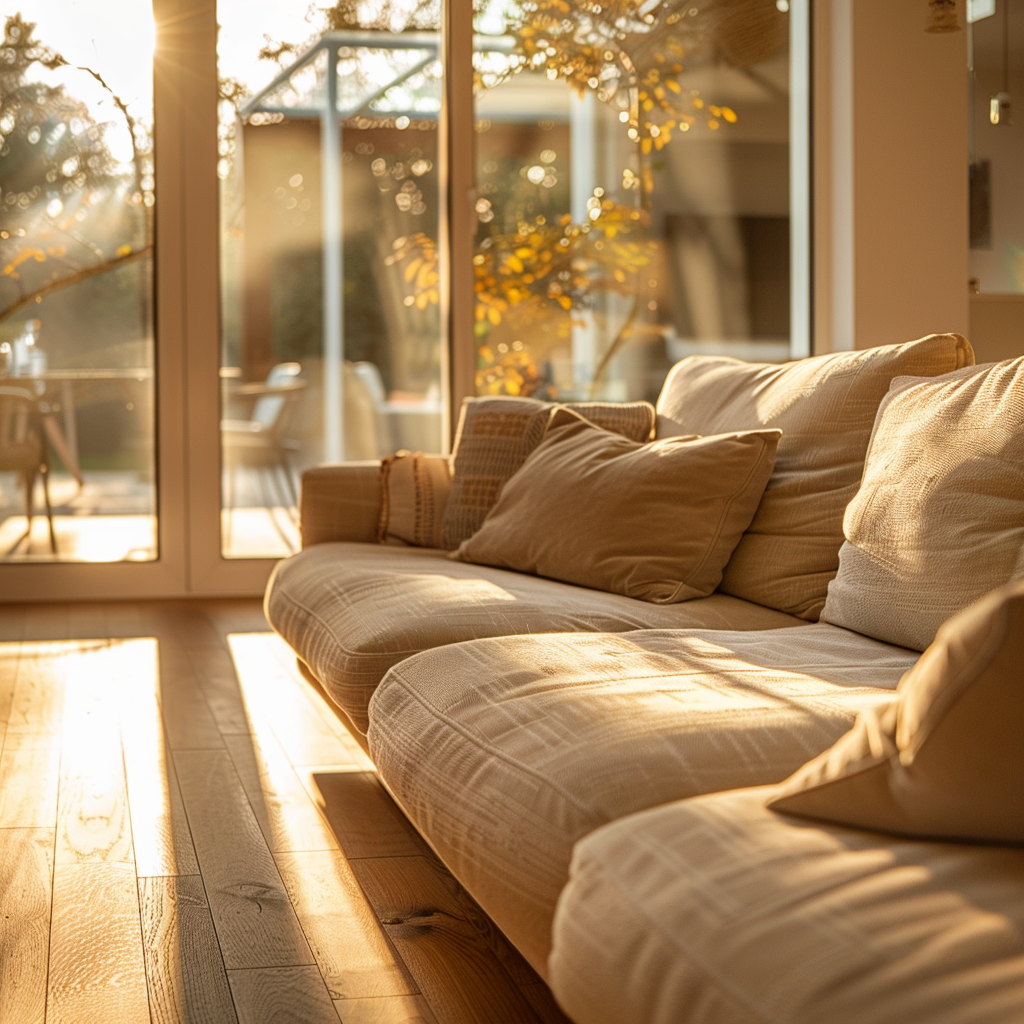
<point>945,759</point>
<point>825,408</point>
<point>494,437</point>
<point>414,492</point>
<point>939,518</point>
<point>653,521</point>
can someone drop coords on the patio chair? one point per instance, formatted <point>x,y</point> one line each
<point>262,442</point>
<point>23,450</point>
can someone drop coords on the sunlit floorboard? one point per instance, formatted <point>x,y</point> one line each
<point>188,833</point>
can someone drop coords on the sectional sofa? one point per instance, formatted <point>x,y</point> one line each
<point>597,768</point>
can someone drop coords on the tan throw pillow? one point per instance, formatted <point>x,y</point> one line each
<point>494,437</point>
<point>653,521</point>
<point>414,492</point>
<point>939,518</point>
<point>946,758</point>
<point>825,408</point>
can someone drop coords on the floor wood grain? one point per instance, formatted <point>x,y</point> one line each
<point>26,870</point>
<point>190,835</point>
<point>187,980</point>
<point>97,971</point>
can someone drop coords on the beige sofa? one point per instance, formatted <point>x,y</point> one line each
<point>512,716</point>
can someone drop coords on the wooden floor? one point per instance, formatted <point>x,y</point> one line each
<point>187,833</point>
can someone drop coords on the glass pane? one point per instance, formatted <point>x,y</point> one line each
<point>633,191</point>
<point>77,462</point>
<point>328,179</point>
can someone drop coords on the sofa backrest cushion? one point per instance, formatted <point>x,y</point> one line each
<point>945,759</point>
<point>825,407</point>
<point>493,439</point>
<point>653,521</point>
<point>939,518</point>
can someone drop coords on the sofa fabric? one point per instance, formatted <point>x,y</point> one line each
<point>351,611</point>
<point>414,493</point>
<point>825,407</point>
<point>655,521</point>
<point>718,911</point>
<point>939,518</point>
<point>946,759</point>
<point>340,503</point>
<point>493,439</point>
<point>505,752</point>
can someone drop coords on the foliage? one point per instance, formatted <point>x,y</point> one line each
<point>57,174</point>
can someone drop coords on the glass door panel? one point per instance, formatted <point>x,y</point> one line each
<point>328,153</point>
<point>633,192</point>
<point>77,418</point>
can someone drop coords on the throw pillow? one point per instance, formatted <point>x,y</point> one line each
<point>945,759</point>
<point>939,517</point>
<point>494,437</point>
<point>825,407</point>
<point>652,521</point>
<point>414,492</point>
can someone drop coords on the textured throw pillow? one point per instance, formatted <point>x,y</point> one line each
<point>653,521</point>
<point>939,518</point>
<point>493,439</point>
<point>414,492</point>
<point>825,408</point>
<point>946,758</point>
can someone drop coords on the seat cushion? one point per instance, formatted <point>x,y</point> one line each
<point>351,611</point>
<point>718,911</point>
<point>825,408</point>
<point>505,752</point>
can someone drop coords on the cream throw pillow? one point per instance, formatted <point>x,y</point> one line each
<point>414,493</point>
<point>493,439</point>
<point>825,408</point>
<point>939,517</point>
<point>946,759</point>
<point>656,522</point>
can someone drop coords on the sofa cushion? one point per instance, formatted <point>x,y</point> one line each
<point>939,518</point>
<point>493,439</point>
<point>946,759</point>
<point>505,752</point>
<point>717,911</point>
<point>351,611</point>
<point>825,408</point>
<point>655,521</point>
<point>414,492</point>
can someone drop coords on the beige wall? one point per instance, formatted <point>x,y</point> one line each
<point>891,182</point>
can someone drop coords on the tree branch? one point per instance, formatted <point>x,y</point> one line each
<point>64,282</point>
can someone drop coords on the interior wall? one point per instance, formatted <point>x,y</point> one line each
<point>890,122</point>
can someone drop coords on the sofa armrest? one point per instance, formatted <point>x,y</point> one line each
<point>340,502</point>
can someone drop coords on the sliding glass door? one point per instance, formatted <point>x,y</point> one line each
<point>295,234</point>
<point>77,192</point>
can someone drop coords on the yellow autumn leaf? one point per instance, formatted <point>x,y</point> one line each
<point>412,269</point>
<point>124,250</point>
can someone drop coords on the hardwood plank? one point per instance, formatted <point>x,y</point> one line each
<point>274,701</point>
<point>187,980</point>
<point>92,804</point>
<point>282,995</point>
<point>255,922</point>
<point>160,831</point>
<point>353,953</point>
<point>451,963</point>
<point>187,717</point>
<point>362,815</point>
<point>10,655</point>
<point>97,970</point>
<point>28,784</point>
<point>38,701</point>
<point>288,817</point>
<point>385,1010</point>
<point>215,673</point>
<point>543,1003</point>
<point>26,867</point>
